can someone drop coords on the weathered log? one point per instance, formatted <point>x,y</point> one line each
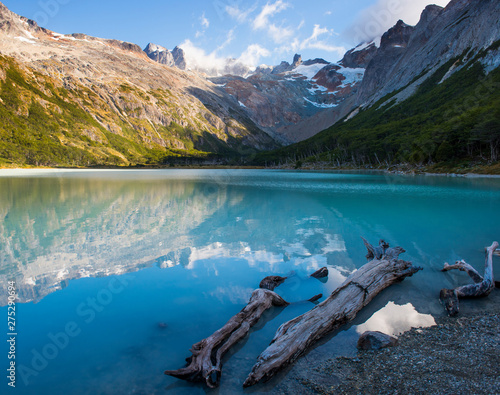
<point>464,267</point>
<point>321,273</point>
<point>205,365</point>
<point>295,337</point>
<point>375,252</point>
<point>483,285</point>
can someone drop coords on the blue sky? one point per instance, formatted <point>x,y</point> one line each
<point>255,31</point>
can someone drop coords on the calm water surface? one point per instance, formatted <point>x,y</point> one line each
<point>120,272</point>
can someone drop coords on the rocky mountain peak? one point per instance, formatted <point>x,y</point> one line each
<point>430,12</point>
<point>179,58</point>
<point>360,56</point>
<point>408,52</point>
<point>297,60</point>
<point>397,36</point>
<point>264,69</point>
<point>162,55</point>
<point>282,68</point>
<point>154,48</point>
<point>315,61</point>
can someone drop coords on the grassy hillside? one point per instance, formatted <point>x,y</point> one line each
<point>43,123</point>
<point>450,123</point>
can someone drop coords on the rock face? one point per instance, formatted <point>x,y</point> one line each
<point>297,61</point>
<point>281,99</point>
<point>359,57</point>
<point>375,341</point>
<point>408,55</point>
<point>162,55</point>
<point>380,67</point>
<point>282,68</point>
<point>159,54</point>
<point>179,58</point>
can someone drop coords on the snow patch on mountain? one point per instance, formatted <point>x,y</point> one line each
<point>352,76</point>
<point>315,88</point>
<point>308,71</point>
<point>363,46</point>
<point>26,40</point>
<point>320,105</point>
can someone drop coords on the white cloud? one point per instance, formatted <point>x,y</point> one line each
<point>279,34</point>
<point>204,21</point>
<point>375,20</point>
<point>252,55</point>
<point>328,13</point>
<point>229,40</point>
<point>198,59</point>
<point>262,20</point>
<point>314,42</point>
<point>239,15</point>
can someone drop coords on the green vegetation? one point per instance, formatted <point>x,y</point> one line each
<point>451,124</point>
<point>45,124</point>
<point>446,126</point>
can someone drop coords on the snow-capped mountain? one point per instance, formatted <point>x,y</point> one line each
<point>277,98</point>
<point>130,106</point>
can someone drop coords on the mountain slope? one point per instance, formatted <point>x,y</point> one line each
<point>440,35</point>
<point>80,100</point>
<point>417,107</point>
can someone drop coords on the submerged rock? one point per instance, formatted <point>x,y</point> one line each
<point>321,273</point>
<point>375,341</point>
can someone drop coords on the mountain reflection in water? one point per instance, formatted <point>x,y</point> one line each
<point>199,242</point>
<point>56,229</point>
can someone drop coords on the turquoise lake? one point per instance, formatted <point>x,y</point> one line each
<point>119,272</point>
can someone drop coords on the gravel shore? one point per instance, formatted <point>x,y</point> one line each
<point>460,355</point>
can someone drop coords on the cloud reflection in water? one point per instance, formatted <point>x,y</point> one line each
<point>395,319</point>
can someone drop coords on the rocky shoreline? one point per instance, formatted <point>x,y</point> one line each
<point>459,355</point>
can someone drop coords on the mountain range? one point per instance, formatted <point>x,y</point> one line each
<point>76,100</point>
<point>430,95</point>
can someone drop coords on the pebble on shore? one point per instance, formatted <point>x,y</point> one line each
<point>457,356</point>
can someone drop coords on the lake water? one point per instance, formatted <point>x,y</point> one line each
<point>119,272</point>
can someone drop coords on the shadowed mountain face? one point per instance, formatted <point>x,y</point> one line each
<point>429,97</point>
<point>409,55</point>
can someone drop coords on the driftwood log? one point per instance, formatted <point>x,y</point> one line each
<point>295,337</point>
<point>482,285</point>
<point>205,365</point>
